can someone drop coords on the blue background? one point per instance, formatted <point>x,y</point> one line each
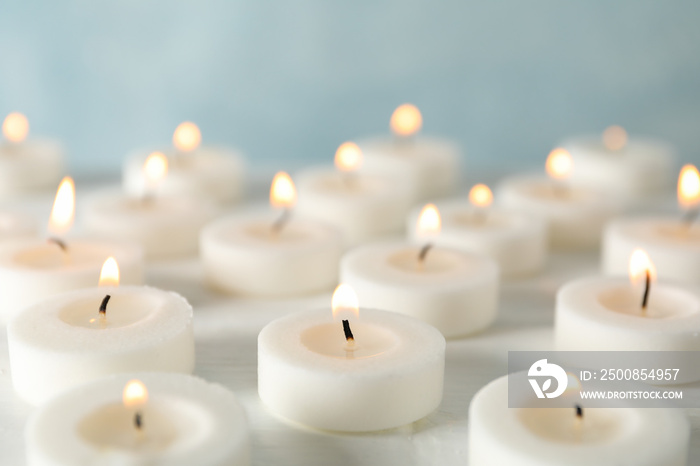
<point>288,81</point>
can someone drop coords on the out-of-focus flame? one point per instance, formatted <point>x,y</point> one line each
<point>614,138</point>
<point>15,127</point>
<point>187,136</point>
<point>406,120</point>
<point>689,187</point>
<point>429,222</point>
<point>109,275</point>
<point>480,195</point>
<point>63,211</point>
<point>348,157</point>
<point>155,168</point>
<point>135,394</point>
<point>640,263</point>
<point>282,192</point>
<point>559,164</point>
<point>344,302</point>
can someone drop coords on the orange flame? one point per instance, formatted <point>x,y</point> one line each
<point>429,223</point>
<point>406,120</point>
<point>109,275</point>
<point>135,394</point>
<point>689,187</point>
<point>614,138</point>
<point>187,136</point>
<point>480,195</point>
<point>282,192</point>
<point>640,263</point>
<point>344,302</point>
<point>348,157</point>
<point>63,211</point>
<point>155,168</point>
<point>559,164</point>
<point>15,127</point>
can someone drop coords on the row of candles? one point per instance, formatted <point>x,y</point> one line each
<point>345,370</point>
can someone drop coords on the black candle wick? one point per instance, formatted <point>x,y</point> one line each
<point>103,306</point>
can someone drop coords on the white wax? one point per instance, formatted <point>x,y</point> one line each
<point>212,173</point>
<point>499,435</point>
<point>30,166</point>
<point>392,376</point>
<point>432,165</point>
<point>242,255</point>
<point>454,291</point>
<point>16,225</point>
<point>519,243</point>
<point>62,342</point>
<point>673,246</point>
<point>362,206</point>
<point>604,314</point>
<point>186,421</point>
<point>575,215</point>
<point>643,166</point>
<point>33,269</point>
<point>165,226</point>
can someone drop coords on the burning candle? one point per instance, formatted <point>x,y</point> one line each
<point>431,164</point>
<point>610,314</point>
<point>271,253</point>
<point>362,206</point>
<point>578,436</point>
<point>32,269</point>
<point>517,242</point>
<point>576,215</point>
<point>27,165</point>
<point>352,369</point>
<point>208,172</point>
<point>673,242</point>
<point>455,291</point>
<point>79,336</point>
<point>165,225</point>
<point>143,418</point>
<point>621,164</point>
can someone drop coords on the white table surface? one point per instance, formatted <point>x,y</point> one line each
<point>226,333</point>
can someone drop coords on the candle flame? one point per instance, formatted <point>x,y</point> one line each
<point>63,211</point>
<point>109,275</point>
<point>640,263</point>
<point>282,192</point>
<point>155,168</point>
<point>345,302</point>
<point>135,394</point>
<point>480,195</point>
<point>614,138</point>
<point>559,164</point>
<point>689,187</point>
<point>348,157</point>
<point>406,120</point>
<point>187,136</point>
<point>429,222</point>
<point>15,127</point>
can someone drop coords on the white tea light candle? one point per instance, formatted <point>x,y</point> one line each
<point>32,269</point>
<point>431,164</point>
<point>610,314</point>
<point>212,173</point>
<point>576,215</point>
<point>17,225</point>
<point>263,254</point>
<point>455,291</point>
<point>166,226</point>
<point>627,166</point>
<point>673,243</point>
<point>82,335</point>
<point>499,435</point>
<point>27,165</point>
<point>361,205</point>
<point>519,243</point>
<point>157,419</point>
<point>350,370</point>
